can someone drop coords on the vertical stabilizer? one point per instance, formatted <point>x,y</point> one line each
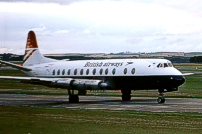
<point>32,53</point>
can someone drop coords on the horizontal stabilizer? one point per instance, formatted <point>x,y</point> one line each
<point>15,66</point>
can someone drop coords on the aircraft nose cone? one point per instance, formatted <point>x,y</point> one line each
<point>180,79</point>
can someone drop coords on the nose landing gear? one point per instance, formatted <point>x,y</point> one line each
<point>161,98</point>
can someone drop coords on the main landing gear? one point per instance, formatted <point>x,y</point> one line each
<point>161,98</point>
<point>72,97</point>
<point>126,95</point>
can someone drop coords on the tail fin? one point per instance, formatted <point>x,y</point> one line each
<point>32,53</point>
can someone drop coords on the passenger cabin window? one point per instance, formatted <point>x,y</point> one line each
<point>69,71</point>
<point>94,71</point>
<point>113,71</point>
<point>87,72</point>
<point>133,71</point>
<point>63,72</point>
<point>81,72</point>
<point>58,72</point>
<point>125,71</point>
<point>101,71</point>
<point>53,72</point>
<point>106,71</point>
<point>75,71</point>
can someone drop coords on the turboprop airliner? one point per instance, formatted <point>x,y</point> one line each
<point>112,74</point>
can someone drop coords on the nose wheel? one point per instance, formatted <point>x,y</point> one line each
<point>161,98</point>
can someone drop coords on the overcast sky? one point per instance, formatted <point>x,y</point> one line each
<point>66,26</point>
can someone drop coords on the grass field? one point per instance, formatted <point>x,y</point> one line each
<point>25,120</point>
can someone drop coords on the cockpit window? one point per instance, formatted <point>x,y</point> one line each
<point>170,64</point>
<point>165,65</point>
<point>160,65</point>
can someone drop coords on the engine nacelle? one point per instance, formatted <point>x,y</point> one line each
<point>88,84</point>
<point>63,82</point>
<point>80,84</point>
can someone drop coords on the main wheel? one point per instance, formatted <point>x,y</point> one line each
<point>73,99</point>
<point>126,97</point>
<point>82,92</point>
<point>161,100</point>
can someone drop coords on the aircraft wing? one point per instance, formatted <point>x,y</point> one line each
<point>60,82</point>
<point>15,66</point>
<point>29,78</point>
<point>187,74</point>
<point>51,82</point>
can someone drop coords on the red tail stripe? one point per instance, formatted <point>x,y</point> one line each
<point>29,56</point>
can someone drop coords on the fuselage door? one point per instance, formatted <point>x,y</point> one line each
<point>47,70</point>
<point>37,71</point>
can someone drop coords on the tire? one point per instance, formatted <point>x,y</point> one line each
<point>126,97</point>
<point>161,100</point>
<point>73,99</point>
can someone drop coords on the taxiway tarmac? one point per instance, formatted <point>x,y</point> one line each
<point>104,102</point>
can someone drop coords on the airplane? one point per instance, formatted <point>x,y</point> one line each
<point>108,74</point>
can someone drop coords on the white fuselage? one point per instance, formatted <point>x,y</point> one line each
<point>117,67</point>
